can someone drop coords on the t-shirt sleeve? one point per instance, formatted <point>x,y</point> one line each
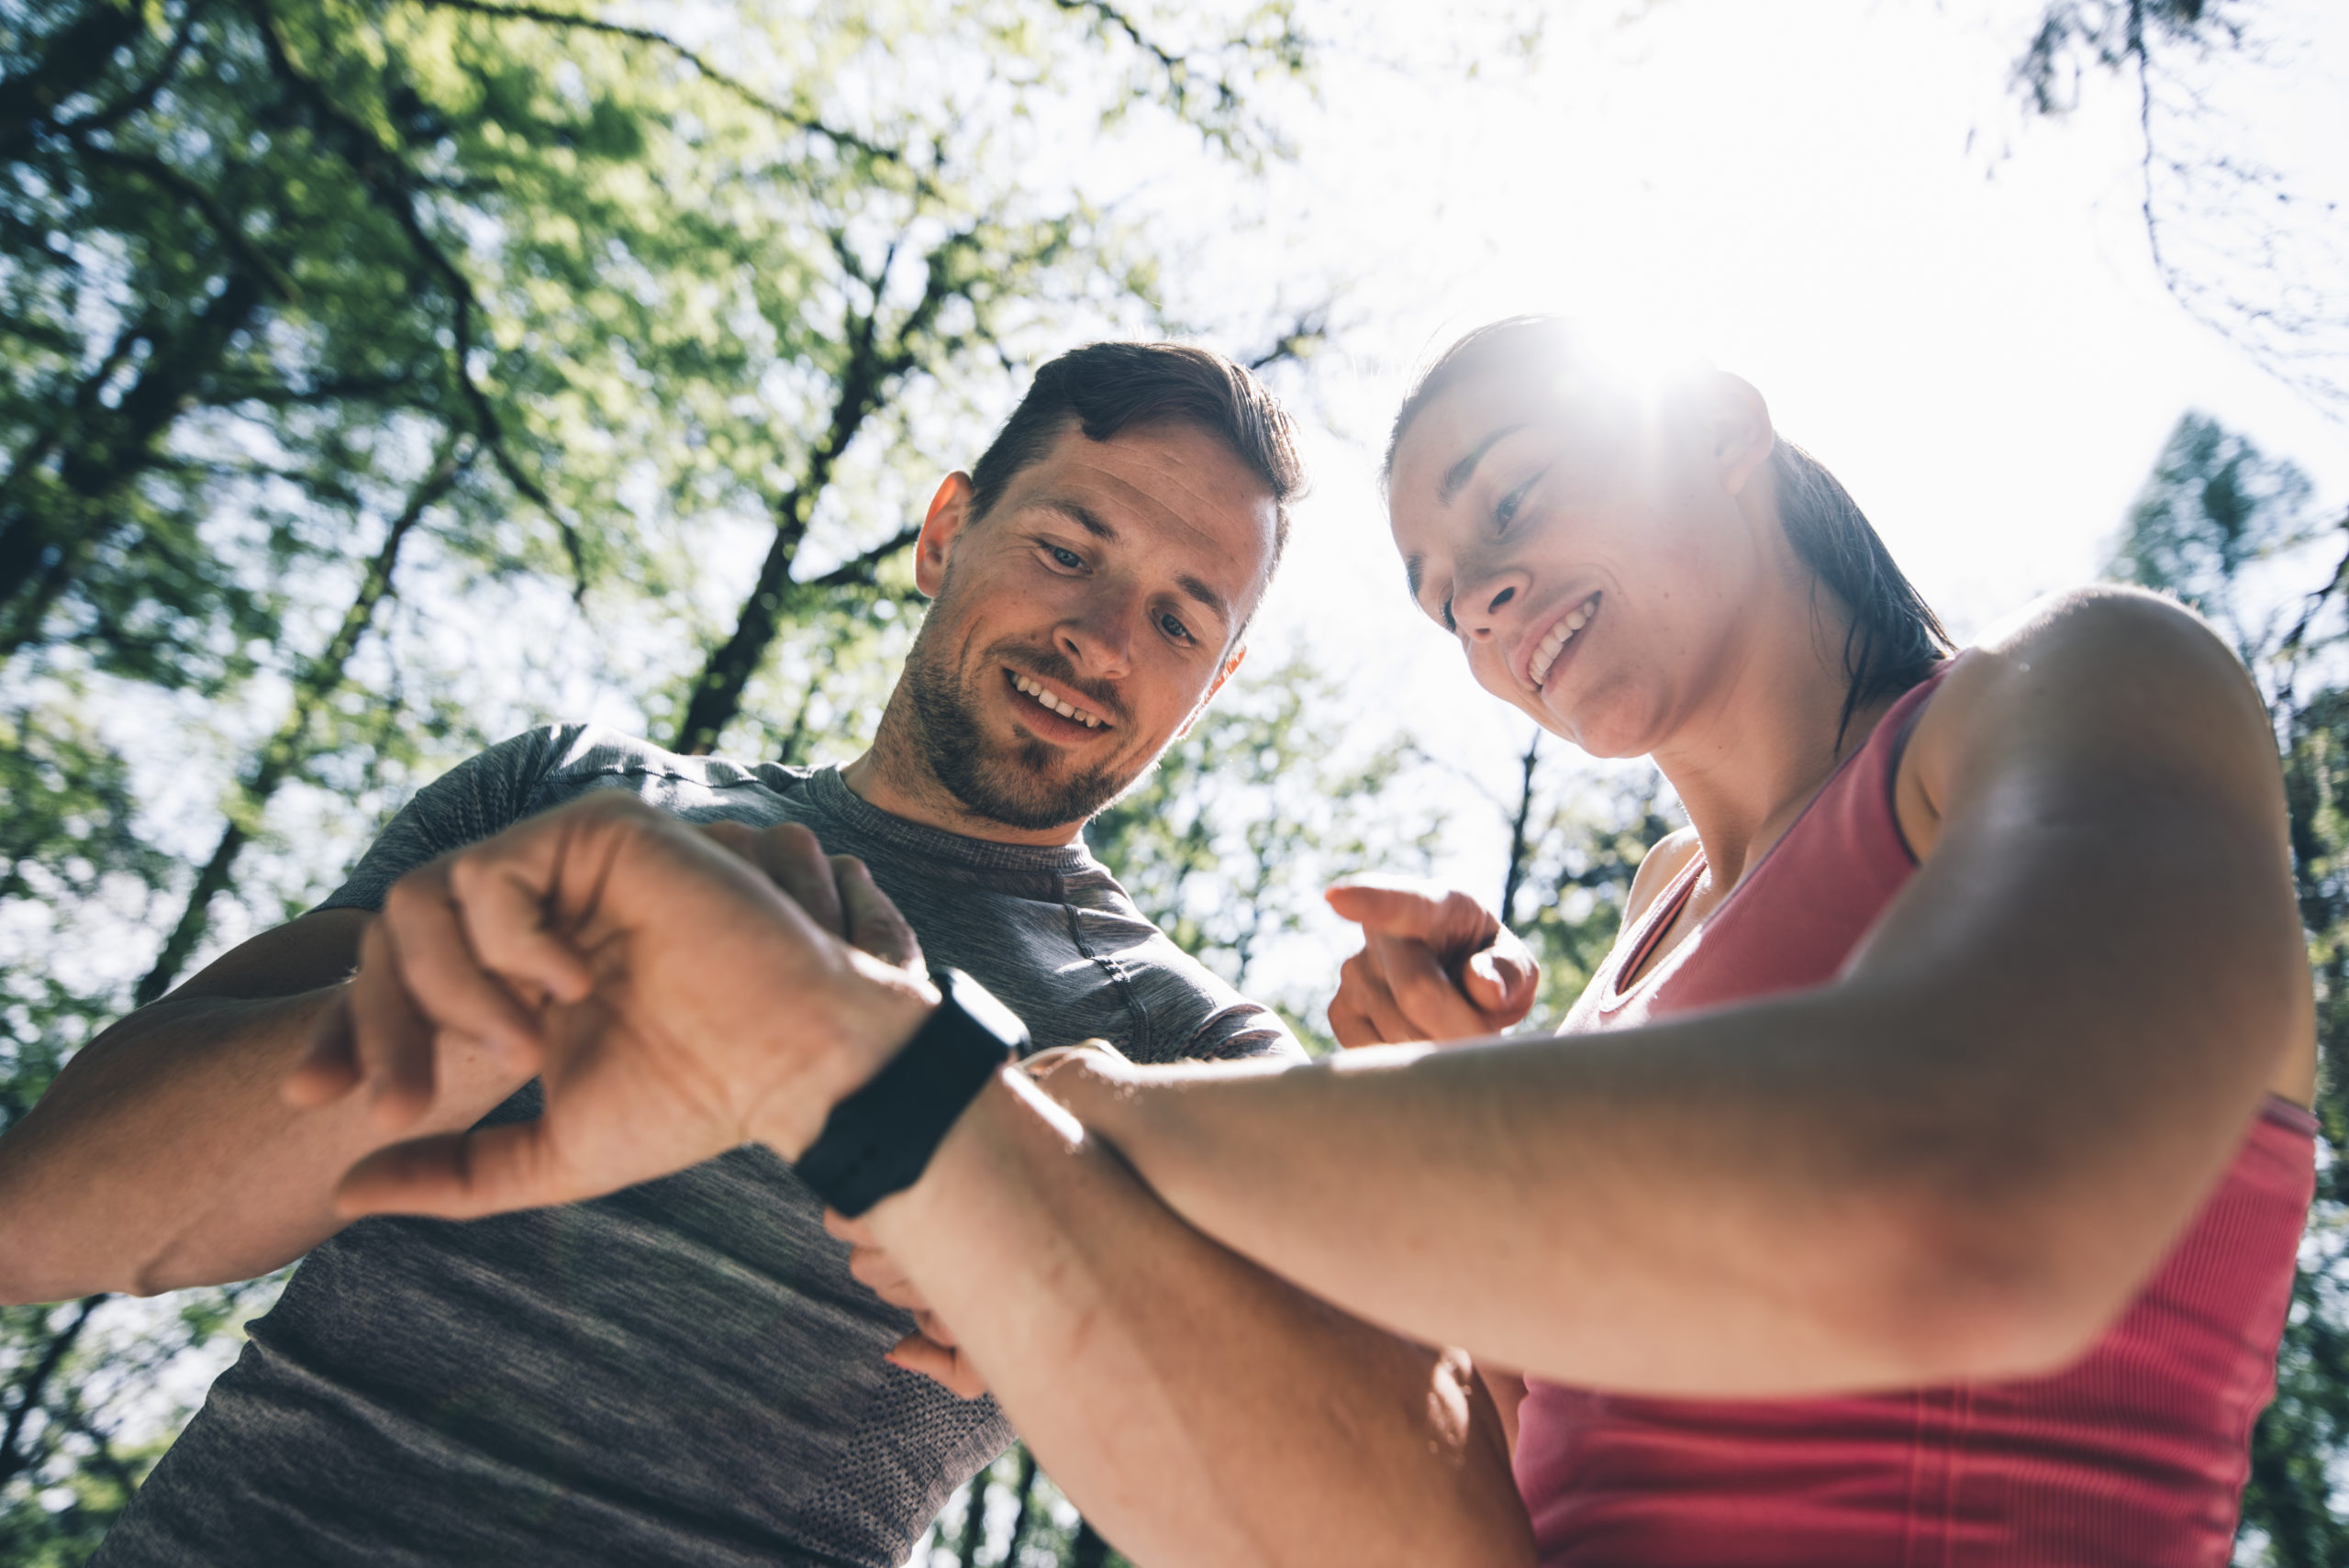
<point>1239,1030</point>
<point>482,795</point>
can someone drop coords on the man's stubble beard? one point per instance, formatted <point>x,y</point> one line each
<point>1010,785</point>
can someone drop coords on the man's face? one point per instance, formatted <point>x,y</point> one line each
<point>1079,624</point>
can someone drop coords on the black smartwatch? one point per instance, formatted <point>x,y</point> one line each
<point>879,1140</point>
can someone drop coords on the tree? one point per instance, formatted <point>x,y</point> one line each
<point>1576,837</point>
<point>1227,843</point>
<point>2215,524</point>
<point>2247,244</point>
<point>377,376</point>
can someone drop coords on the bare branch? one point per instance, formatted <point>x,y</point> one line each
<point>731,83</point>
<point>860,570</point>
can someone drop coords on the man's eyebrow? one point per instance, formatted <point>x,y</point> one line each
<point>1082,516</point>
<point>1198,589</point>
<point>1458,473</point>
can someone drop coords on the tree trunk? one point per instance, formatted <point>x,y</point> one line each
<point>1027,1485</point>
<point>36,1386</point>
<point>1090,1551</point>
<point>1520,852</point>
<point>318,683</point>
<point>718,693</point>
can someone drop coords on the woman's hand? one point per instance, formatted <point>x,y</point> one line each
<point>1434,966</point>
<point>931,1349</point>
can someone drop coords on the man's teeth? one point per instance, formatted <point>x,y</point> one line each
<point>1546,654</point>
<point>1067,710</point>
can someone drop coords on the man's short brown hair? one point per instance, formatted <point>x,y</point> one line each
<point>1104,388</point>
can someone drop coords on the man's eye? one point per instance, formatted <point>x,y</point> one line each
<point>1173,627</point>
<point>1067,558</point>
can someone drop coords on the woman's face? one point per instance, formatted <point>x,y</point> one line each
<point>1595,559</point>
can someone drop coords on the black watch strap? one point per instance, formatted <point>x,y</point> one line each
<point>880,1139</point>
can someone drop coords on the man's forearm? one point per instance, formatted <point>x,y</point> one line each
<point>1198,1409</point>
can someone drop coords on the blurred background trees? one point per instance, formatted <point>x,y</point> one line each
<point>381,377</point>
<point>2228,530</point>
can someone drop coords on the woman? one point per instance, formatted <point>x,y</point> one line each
<point>1919,1178</point>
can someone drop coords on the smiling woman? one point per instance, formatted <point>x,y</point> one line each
<point>1891,637</point>
<point>1921,1177</point>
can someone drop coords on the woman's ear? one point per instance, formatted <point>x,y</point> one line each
<point>948,511</point>
<point>1739,423</point>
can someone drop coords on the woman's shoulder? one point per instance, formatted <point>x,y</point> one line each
<point>2081,683</point>
<point>1665,859</point>
<point>2088,646</point>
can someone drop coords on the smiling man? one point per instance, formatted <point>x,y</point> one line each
<point>683,1372</point>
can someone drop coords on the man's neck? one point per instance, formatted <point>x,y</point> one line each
<point>893,777</point>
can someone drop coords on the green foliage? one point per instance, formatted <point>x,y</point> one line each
<point>1229,842</point>
<point>2214,509</point>
<point>380,377</point>
<point>1578,842</point>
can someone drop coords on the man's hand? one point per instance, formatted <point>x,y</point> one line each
<point>1434,966</point>
<point>931,1349</point>
<point>679,1002</point>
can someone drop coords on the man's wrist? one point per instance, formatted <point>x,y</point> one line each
<point>879,1139</point>
<point>886,1017</point>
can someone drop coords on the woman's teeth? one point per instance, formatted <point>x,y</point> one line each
<point>1546,653</point>
<point>1067,710</point>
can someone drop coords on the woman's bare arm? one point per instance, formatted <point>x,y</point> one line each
<point>1961,1159</point>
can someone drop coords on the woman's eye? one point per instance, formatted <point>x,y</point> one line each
<point>1444,615</point>
<point>1505,509</point>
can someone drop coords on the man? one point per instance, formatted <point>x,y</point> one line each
<point>682,1372</point>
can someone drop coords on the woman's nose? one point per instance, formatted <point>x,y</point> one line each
<point>1480,609</point>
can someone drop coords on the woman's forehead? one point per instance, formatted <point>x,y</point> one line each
<point>1448,445</point>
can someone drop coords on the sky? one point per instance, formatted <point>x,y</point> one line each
<point>1953,307</point>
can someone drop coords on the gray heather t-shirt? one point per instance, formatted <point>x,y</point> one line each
<point>683,1372</point>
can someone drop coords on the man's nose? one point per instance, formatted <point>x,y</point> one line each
<point>1481,607</point>
<point>1099,640</point>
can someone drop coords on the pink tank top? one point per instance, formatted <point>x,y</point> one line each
<point>2136,1454</point>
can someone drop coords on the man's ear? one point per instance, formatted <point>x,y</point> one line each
<point>948,511</point>
<point>1216,685</point>
<point>1739,423</point>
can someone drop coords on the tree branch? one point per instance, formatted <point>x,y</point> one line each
<point>859,571</point>
<point>319,679</point>
<point>390,182</point>
<point>36,1385</point>
<point>731,83</point>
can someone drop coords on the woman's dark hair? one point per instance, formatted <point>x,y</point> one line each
<point>1104,388</point>
<point>1895,637</point>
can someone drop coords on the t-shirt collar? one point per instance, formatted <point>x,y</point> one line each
<point>831,795</point>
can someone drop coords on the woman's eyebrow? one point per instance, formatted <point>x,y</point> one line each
<point>1459,474</point>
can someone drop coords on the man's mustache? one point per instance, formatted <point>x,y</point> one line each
<point>1051,665</point>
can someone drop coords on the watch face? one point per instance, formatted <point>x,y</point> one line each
<point>980,1005</point>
